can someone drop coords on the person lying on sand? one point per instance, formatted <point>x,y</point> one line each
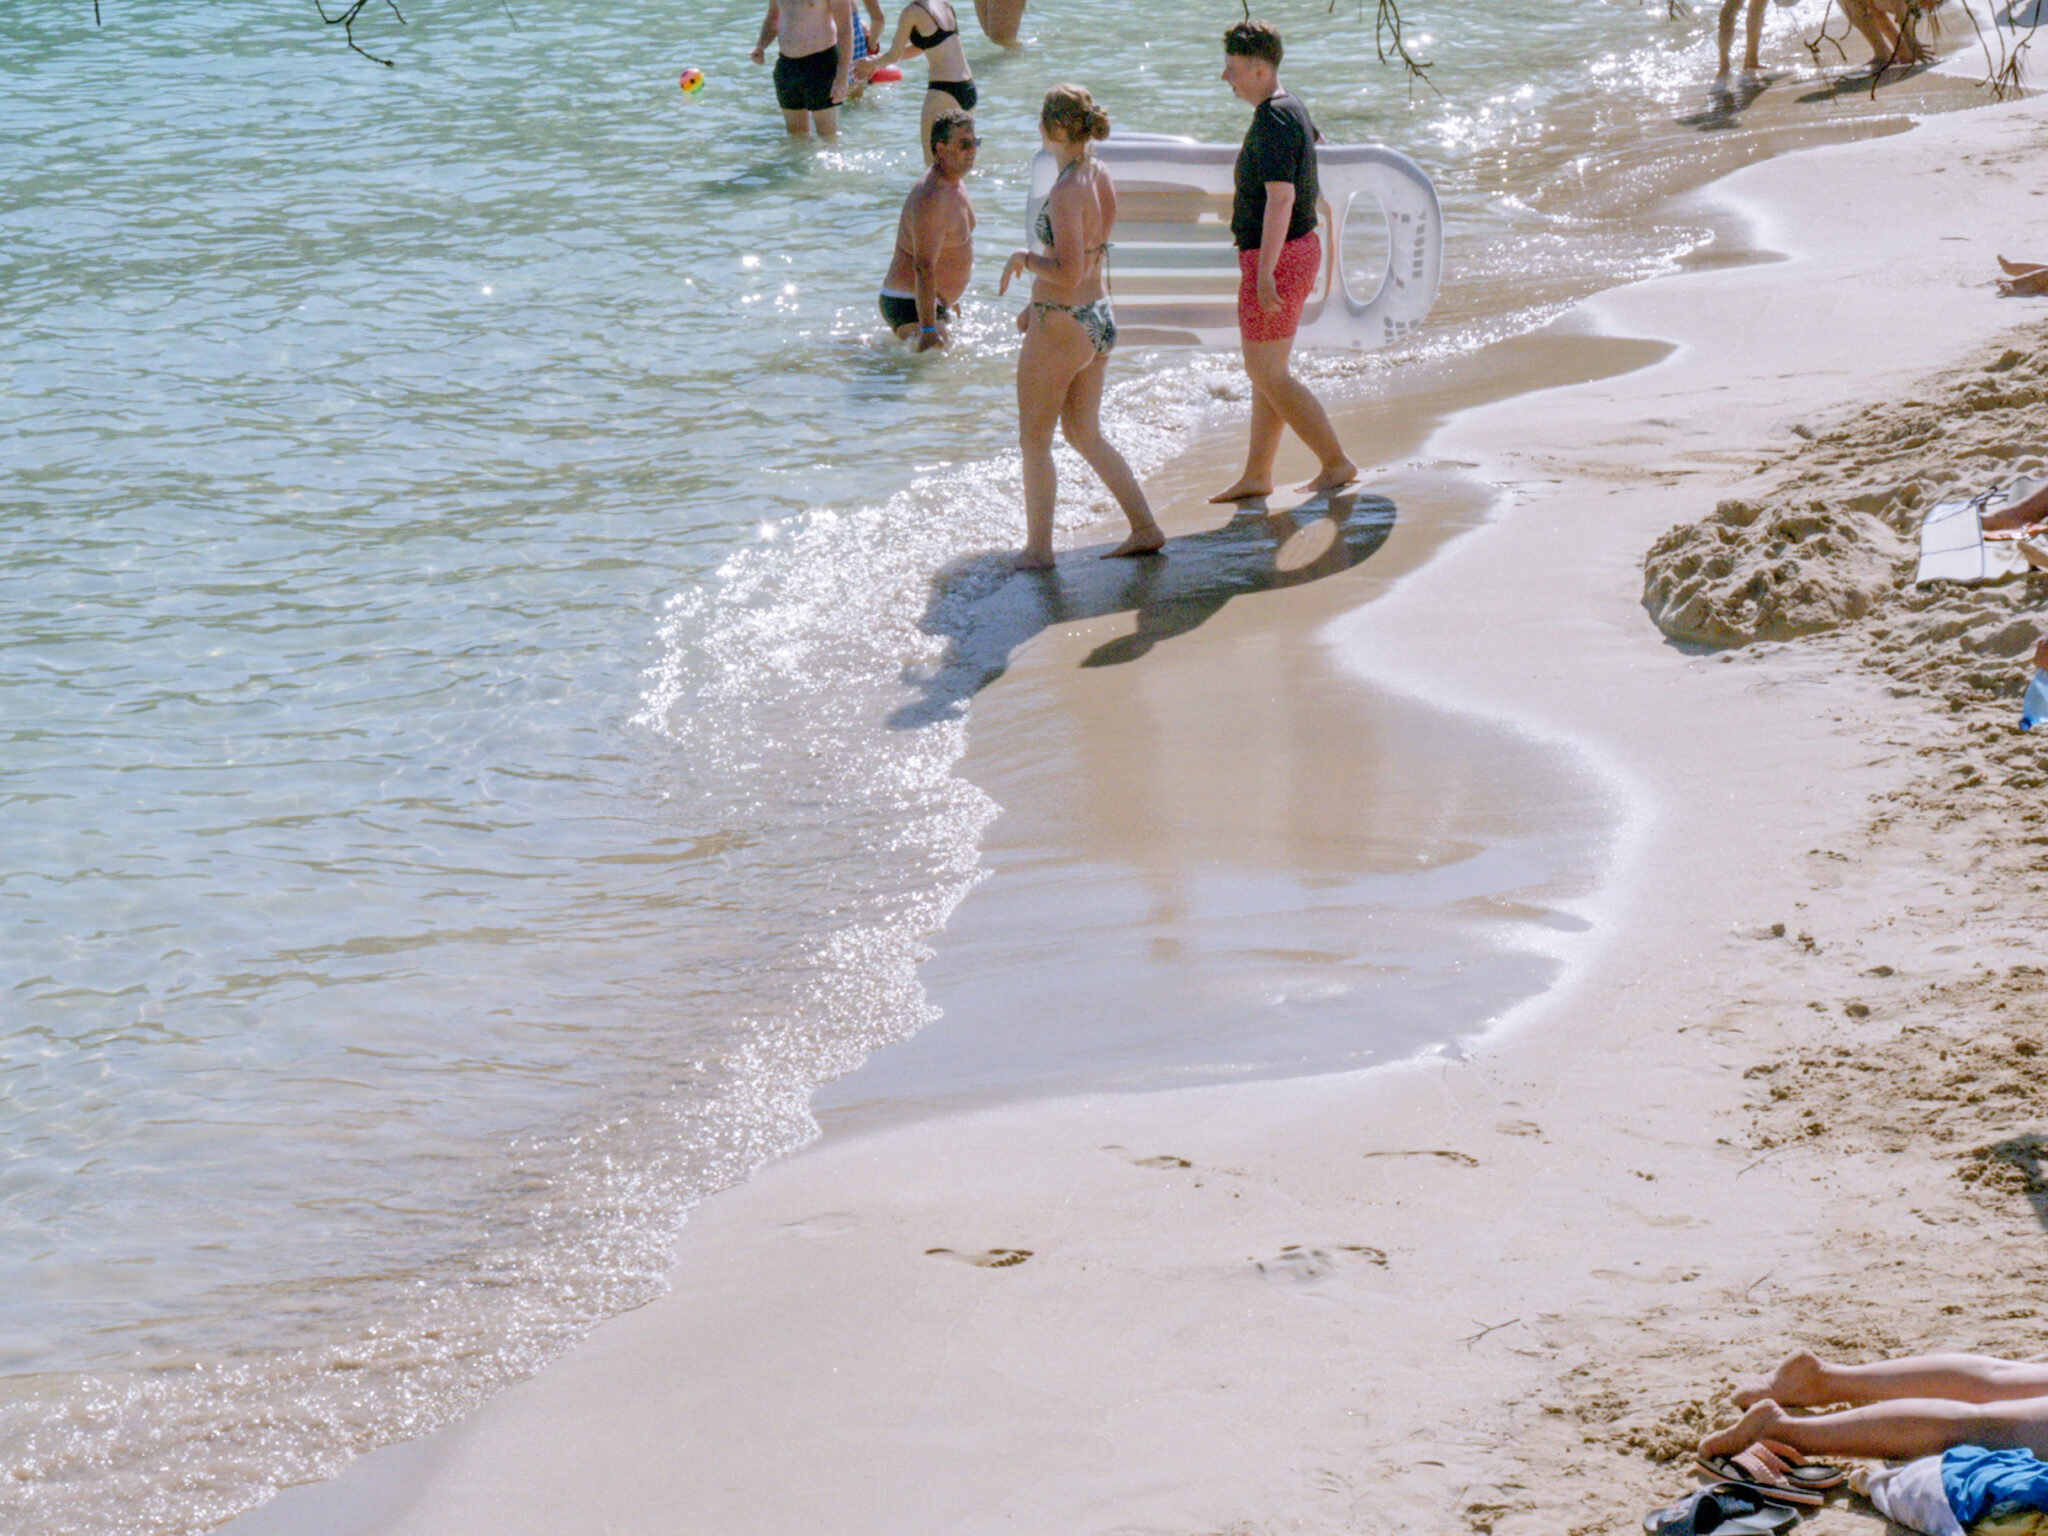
<point>1899,1409</point>
<point>2023,277</point>
<point>2031,510</point>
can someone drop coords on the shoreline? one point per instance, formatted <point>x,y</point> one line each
<point>1233,1308</point>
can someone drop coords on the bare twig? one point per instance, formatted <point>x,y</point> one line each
<point>1483,1332</point>
<point>2005,70</point>
<point>347,22</point>
<point>1389,41</point>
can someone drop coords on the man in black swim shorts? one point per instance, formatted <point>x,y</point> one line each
<point>814,62</point>
<point>934,254</point>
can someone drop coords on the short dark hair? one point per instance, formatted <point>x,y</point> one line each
<point>1254,40</point>
<point>947,124</point>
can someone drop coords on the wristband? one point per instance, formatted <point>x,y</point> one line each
<point>928,330</point>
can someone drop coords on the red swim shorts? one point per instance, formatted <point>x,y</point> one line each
<point>1294,275</point>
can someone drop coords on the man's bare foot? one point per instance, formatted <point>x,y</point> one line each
<point>1143,541</point>
<point>2035,281</point>
<point>1799,1382</point>
<point>1762,1419</point>
<point>1246,489</point>
<point>1032,560</point>
<point>1341,473</point>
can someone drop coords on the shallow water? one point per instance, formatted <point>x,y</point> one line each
<point>465,543</point>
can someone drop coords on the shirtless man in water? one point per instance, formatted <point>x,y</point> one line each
<point>934,239</point>
<point>814,62</point>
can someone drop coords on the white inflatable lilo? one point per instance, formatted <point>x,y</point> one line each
<point>1174,272</point>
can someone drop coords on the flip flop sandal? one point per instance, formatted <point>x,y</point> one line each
<point>1732,1473</point>
<point>1722,1510</point>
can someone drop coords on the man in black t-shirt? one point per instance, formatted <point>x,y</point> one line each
<point>1273,222</point>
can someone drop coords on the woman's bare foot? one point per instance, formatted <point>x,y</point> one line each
<point>1800,1382</point>
<point>1341,473</point>
<point>1143,541</point>
<point>1246,489</point>
<point>1032,560</point>
<point>1758,1423</point>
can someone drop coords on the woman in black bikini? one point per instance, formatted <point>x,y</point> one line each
<point>1069,331</point>
<point>930,27</point>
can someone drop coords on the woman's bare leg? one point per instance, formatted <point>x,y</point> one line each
<point>1806,1381</point>
<point>1046,365</point>
<point>935,102</point>
<point>1000,19</point>
<point>1900,1429</point>
<point>1081,425</point>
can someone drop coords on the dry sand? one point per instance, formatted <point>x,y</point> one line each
<point>1785,1096</point>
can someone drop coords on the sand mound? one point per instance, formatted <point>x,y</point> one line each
<point>1752,572</point>
<point>1831,543</point>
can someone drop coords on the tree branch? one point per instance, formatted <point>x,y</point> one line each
<point>1387,39</point>
<point>347,22</point>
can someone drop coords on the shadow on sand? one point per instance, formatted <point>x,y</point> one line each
<point>1727,100</point>
<point>986,611</point>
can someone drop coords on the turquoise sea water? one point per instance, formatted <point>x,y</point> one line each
<point>464,541</point>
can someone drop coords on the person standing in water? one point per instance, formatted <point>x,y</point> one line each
<point>930,27</point>
<point>1752,34</point>
<point>1273,222</point>
<point>814,61</point>
<point>1000,19</point>
<point>1069,330</point>
<point>934,239</point>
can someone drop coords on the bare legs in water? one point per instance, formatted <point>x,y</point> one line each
<point>1000,19</point>
<point>1059,383</point>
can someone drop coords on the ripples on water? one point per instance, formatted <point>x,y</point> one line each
<point>463,538</point>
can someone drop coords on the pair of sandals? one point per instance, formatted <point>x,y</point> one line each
<point>1749,1500</point>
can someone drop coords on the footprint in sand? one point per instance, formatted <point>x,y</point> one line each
<point>988,1258</point>
<point>1163,1160</point>
<point>1446,1154</point>
<point>1303,1264</point>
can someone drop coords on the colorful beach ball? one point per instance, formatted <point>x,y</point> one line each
<point>692,81</point>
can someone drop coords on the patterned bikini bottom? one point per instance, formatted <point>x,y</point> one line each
<point>1095,318</point>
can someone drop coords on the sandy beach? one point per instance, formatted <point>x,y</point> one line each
<point>1780,1092</point>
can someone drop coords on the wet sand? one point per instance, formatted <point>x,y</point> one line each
<point>1500,1293</point>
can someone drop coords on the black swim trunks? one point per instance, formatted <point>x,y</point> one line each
<point>804,83</point>
<point>900,309</point>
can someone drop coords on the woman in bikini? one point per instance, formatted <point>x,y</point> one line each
<point>930,27</point>
<point>1069,331</point>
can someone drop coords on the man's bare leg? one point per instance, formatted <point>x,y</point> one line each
<point>798,123</point>
<point>1806,1381</point>
<point>1286,400</point>
<point>1901,1429</point>
<point>1260,451</point>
